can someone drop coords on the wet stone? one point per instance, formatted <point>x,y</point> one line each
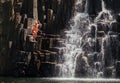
<point>53,56</point>
<point>100,33</point>
<point>45,44</point>
<point>93,8</point>
<point>103,26</point>
<point>47,69</point>
<point>108,72</point>
<point>118,69</point>
<point>47,57</point>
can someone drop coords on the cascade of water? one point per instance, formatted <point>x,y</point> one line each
<point>73,39</point>
<point>81,44</point>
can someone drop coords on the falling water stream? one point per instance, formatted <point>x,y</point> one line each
<point>83,37</point>
<point>73,40</point>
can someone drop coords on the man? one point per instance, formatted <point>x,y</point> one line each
<point>35,29</point>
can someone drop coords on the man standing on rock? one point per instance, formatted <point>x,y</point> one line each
<point>35,29</point>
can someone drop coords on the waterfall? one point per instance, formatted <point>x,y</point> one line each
<point>84,50</point>
<point>73,41</point>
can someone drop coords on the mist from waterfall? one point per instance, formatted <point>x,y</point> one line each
<point>82,37</point>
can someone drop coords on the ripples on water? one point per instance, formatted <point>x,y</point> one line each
<point>57,80</point>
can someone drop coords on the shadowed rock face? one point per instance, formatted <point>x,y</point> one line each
<point>94,7</point>
<point>113,5</point>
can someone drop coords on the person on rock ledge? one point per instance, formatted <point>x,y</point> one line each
<point>35,29</point>
<point>31,37</point>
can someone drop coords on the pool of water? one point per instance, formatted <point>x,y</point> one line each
<point>57,80</point>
